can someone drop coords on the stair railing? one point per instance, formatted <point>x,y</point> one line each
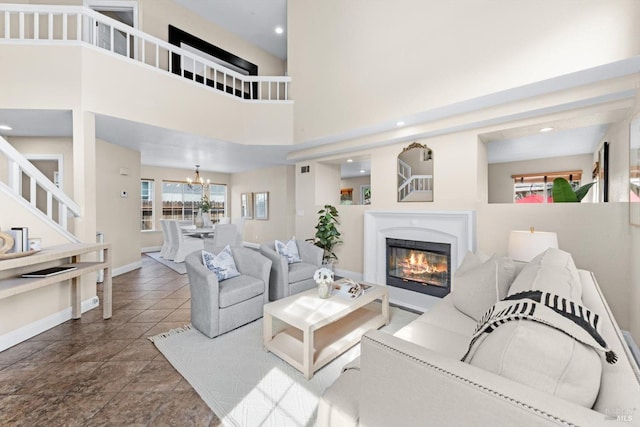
<point>19,166</point>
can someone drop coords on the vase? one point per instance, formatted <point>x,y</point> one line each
<point>324,289</point>
<point>199,220</point>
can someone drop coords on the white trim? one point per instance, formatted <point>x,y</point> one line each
<point>39,326</point>
<point>150,249</point>
<point>126,268</point>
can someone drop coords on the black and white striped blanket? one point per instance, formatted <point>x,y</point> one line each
<point>552,310</point>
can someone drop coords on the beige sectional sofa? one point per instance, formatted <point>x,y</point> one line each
<point>525,374</point>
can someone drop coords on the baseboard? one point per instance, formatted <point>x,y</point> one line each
<point>32,329</point>
<point>150,249</point>
<point>126,268</point>
<point>348,274</point>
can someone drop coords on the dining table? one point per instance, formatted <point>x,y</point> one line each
<point>199,232</point>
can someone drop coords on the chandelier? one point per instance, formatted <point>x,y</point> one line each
<point>198,180</point>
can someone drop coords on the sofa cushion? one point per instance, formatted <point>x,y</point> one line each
<point>288,250</point>
<point>552,271</point>
<point>538,355</point>
<point>446,316</point>
<point>239,289</point>
<point>222,264</point>
<point>435,338</point>
<point>543,358</point>
<point>301,271</point>
<point>477,285</point>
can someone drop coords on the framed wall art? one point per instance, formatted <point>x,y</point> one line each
<point>261,205</point>
<point>246,205</point>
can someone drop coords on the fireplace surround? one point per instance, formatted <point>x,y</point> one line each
<point>456,228</point>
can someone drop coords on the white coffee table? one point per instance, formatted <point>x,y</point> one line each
<point>319,330</point>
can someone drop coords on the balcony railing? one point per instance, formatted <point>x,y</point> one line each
<point>68,25</point>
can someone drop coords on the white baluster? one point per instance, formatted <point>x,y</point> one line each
<point>7,25</point>
<point>64,26</point>
<point>32,191</point>
<point>21,25</point>
<point>128,45</point>
<point>50,23</point>
<point>157,53</point>
<point>36,26</point>
<point>286,90</point>
<point>112,38</point>
<point>49,204</point>
<point>63,218</point>
<point>78,26</point>
<point>269,83</point>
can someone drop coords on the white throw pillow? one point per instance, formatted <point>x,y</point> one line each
<point>543,358</point>
<point>538,355</point>
<point>222,264</point>
<point>552,271</point>
<point>288,250</point>
<point>478,284</point>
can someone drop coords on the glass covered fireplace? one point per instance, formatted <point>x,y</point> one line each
<point>419,266</point>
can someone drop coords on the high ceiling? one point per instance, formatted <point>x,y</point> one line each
<point>253,20</point>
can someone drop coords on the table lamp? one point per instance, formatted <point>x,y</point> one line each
<point>526,245</point>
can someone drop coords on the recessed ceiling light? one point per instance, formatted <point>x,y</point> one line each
<point>349,160</point>
<point>279,30</point>
<point>547,129</point>
<point>400,123</point>
<point>362,170</point>
<point>5,127</point>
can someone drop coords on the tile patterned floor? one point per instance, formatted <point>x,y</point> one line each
<point>94,372</point>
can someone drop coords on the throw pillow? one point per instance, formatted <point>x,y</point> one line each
<point>288,250</point>
<point>552,271</point>
<point>222,264</point>
<point>477,285</point>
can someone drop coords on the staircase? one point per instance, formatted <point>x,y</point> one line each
<point>410,185</point>
<point>57,206</point>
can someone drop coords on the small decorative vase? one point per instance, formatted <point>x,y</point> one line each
<point>199,220</point>
<point>324,289</point>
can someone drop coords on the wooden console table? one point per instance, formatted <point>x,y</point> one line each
<point>68,254</point>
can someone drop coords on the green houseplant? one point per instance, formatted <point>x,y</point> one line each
<point>327,234</point>
<point>562,191</point>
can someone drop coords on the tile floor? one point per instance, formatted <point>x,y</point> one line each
<point>95,372</point>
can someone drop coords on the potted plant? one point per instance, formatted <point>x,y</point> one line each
<point>562,191</point>
<point>327,234</point>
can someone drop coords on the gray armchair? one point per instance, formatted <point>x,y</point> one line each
<point>289,279</point>
<point>218,307</point>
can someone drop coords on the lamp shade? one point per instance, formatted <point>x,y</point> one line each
<point>526,245</point>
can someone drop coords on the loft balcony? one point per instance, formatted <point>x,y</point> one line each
<point>69,57</point>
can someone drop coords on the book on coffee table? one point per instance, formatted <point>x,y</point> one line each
<point>350,289</point>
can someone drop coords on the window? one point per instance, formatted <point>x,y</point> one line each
<point>146,204</point>
<point>536,187</point>
<point>181,202</point>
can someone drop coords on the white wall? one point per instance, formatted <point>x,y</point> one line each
<point>119,217</point>
<point>359,63</point>
<point>279,182</point>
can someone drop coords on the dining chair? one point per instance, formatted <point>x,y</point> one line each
<point>184,244</point>
<point>167,241</point>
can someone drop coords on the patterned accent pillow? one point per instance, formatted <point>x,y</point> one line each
<point>222,264</point>
<point>288,250</point>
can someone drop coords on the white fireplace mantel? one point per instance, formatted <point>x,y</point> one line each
<point>457,228</point>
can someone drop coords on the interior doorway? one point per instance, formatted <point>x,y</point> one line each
<point>125,12</point>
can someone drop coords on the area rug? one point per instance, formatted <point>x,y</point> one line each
<point>247,386</point>
<point>175,266</point>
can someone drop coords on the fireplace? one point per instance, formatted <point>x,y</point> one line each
<point>419,266</point>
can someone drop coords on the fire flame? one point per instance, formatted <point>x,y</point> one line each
<point>418,263</point>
